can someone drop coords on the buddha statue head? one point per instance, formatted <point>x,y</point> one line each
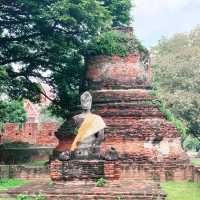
<point>86,101</point>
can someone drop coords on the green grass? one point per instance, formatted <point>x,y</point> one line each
<point>7,198</point>
<point>12,183</point>
<point>196,162</point>
<point>36,163</point>
<point>181,190</point>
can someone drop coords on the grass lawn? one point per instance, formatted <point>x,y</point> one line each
<point>182,190</point>
<point>196,162</point>
<point>12,183</point>
<point>36,163</point>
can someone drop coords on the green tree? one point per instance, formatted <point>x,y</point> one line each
<point>46,40</point>
<point>176,64</point>
<point>120,11</point>
<point>12,111</point>
<point>115,43</point>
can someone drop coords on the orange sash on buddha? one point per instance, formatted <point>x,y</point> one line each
<point>91,125</point>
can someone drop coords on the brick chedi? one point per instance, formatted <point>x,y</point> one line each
<point>149,147</point>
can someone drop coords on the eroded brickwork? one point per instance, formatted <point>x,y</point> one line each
<point>196,174</point>
<point>87,190</point>
<point>149,147</point>
<point>105,72</point>
<point>24,172</point>
<point>122,95</point>
<point>32,133</point>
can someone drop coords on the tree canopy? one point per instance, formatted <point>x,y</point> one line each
<point>46,40</point>
<point>177,70</point>
<point>120,11</point>
<point>11,111</point>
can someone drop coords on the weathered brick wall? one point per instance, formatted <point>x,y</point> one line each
<point>128,146</point>
<point>136,127</point>
<point>196,174</point>
<point>56,170</point>
<point>32,133</point>
<point>46,135</point>
<point>24,172</point>
<point>77,170</point>
<point>114,170</point>
<point>106,72</point>
<point>162,171</point>
<point>142,137</point>
<point>149,146</point>
<point>121,95</point>
<point>127,111</point>
<point>139,150</point>
<point>143,129</point>
<point>84,170</point>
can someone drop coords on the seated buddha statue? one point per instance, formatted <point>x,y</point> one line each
<point>90,132</point>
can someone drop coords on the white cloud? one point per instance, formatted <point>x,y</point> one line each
<point>155,18</point>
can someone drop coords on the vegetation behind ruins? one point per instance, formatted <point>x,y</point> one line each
<point>176,64</point>
<point>47,40</point>
<point>11,111</point>
<point>115,43</point>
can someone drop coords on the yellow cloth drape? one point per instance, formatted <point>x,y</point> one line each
<point>91,125</point>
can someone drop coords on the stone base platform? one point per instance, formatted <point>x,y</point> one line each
<point>73,170</point>
<point>79,190</point>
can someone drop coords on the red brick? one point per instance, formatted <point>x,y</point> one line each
<point>32,133</point>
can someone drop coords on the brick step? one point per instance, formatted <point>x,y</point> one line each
<point>128,110</point>
<point>87,190</point>
<point>93,197</point>
<point>100,96</point>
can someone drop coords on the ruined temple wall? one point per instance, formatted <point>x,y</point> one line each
<point>32,133</point>
<point>157,171</point>
<point>24,172</point>
<point>136,127</point>
<point>141,151</point>
<point>196,174</point>
<point>143,129</point>
<point>106,72</point>
<point>119,95</point>
<point>149,146</point>
<point>115,170</point>
<point>138,150</point>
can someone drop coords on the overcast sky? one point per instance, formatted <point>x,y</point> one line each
<point>157,18</point>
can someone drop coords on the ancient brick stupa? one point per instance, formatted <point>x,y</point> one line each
<point>148,147</point>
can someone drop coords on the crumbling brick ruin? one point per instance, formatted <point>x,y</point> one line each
<point>33,133</point>
<point>149,146</point>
